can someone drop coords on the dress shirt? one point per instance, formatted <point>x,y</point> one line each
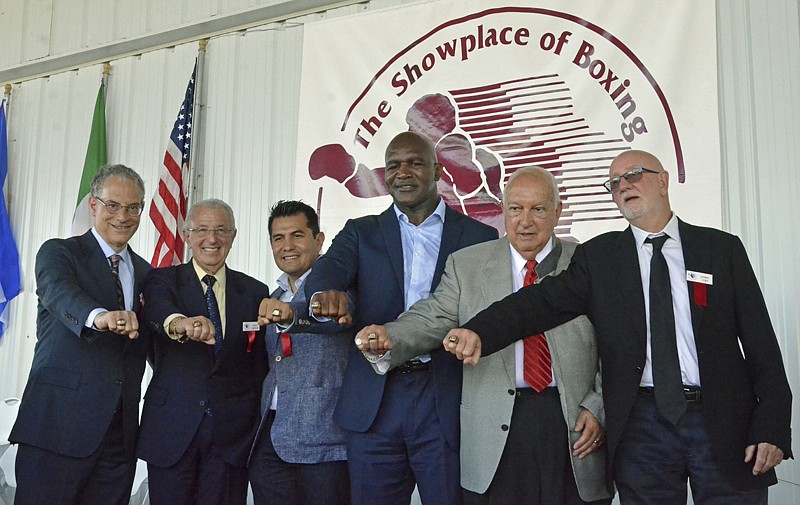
<point>673,253</point>
<point>219,293</point>
<point>544,266</point>
<point>125,277</point>
<point>287,296</point>
<point>420,254</point>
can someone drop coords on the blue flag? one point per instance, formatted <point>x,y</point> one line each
<point>9,257</point>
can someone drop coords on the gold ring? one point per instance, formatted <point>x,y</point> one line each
<point>276,313</point>
<point>372,337</point>
<point>315,305</point>
<point>121,322</point>
<point>453,339</point>
<point>197,324</point>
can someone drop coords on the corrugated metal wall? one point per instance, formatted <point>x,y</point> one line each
<point>249,133</point>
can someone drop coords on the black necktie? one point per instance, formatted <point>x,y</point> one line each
<point>667,383</point>
<point>213,313</point>
<point>115,259</point>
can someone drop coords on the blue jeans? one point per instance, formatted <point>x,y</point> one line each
<point>656,458</point>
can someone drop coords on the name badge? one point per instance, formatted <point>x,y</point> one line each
<point>700,277</point>
<point>250,326</point>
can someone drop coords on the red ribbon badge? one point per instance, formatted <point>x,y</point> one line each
<point>251,339</point>
<point>699,291</point>
<point>286,344</point>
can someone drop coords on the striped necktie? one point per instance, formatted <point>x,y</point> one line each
<point>213,313</point>
<point>536,364</point>
<point>115,259</point>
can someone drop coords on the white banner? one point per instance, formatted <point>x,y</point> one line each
<point>566,86</point>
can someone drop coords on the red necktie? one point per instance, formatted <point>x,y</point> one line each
<point>536,364</point>
<point>286,344</point>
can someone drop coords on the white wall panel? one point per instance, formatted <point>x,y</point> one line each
<point>49,121</point>
<point>759,47</point>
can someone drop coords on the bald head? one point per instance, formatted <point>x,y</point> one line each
<point>420,143</point>
<point>642,195</point>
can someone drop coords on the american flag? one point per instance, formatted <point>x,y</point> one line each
<point>168,208</point>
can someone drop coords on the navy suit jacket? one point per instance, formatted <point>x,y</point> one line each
<point>308,383</point>
<point>78,373</point>
<point>746,397</point>
<point>186,378</point>
<point>366,258</point>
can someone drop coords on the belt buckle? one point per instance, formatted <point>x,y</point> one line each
<point>692,395</point>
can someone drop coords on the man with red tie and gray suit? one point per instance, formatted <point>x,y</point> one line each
<point>693,380</point>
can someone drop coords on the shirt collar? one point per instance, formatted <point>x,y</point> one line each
<point>670,229</point>
<point>518,262</point>
<point>220,275</point>
<point>438,212</point>
<point>108,250</point>
<point>283,281</point>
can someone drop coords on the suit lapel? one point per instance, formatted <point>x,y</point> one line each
<point>697,260</point>
<point>497,283</point>
<point>629,283</point>
<point>451,235</point>
<point>390,229</point>
<point>139,274</point>
<point>98,268</point>
<point>194,296</point>
<point>233,311</point>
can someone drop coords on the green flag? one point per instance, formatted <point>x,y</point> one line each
<point>96,157</point>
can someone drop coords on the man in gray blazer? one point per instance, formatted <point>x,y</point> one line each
<point>299,454</point>
<point>518,445</point>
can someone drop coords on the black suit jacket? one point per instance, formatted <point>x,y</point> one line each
<point>78,374</point>
<point>366,258</point>
<point>186,378</point>
<point>746,398</point>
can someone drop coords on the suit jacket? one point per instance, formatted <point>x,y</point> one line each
<point>308,384</point>
<point>474,278</point>
<point>746,397</point>
<point>78,373</point>
<point>187,380</point>
<point>367,257</point>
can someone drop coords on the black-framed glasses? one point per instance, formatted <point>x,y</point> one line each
<point>631,176</point>
<point>134,209</point>
<point>205,232</point>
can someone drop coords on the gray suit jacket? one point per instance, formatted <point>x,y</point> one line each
<point>474,278</point>
<point>308,383</point>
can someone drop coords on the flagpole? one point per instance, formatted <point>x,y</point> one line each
<point>106,74</point>
<point>7,99</point>
<point>198,112</point>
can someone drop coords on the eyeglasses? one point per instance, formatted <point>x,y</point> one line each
<point>114,207</point>
<point>630,177</point>
<point>205,232</point>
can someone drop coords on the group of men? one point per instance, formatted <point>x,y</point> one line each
<point>271,389</point>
